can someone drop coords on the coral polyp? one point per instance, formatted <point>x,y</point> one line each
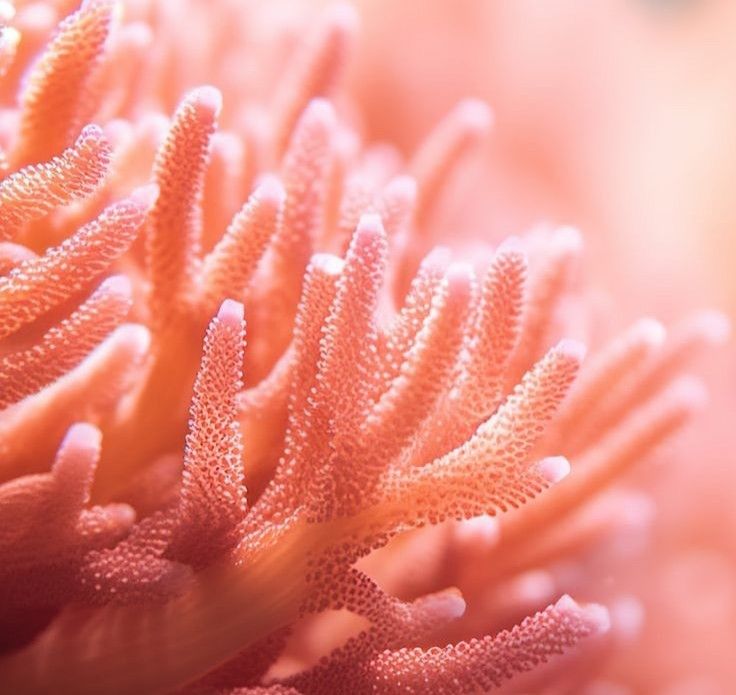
<point>233,367</point>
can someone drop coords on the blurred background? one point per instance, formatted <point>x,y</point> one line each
<point>618,117</point>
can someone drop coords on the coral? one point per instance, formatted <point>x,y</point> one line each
<point>209,496</point>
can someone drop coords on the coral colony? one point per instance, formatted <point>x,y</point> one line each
<point>186,501</point>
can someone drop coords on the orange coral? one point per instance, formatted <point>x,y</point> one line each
<point>383,393</point>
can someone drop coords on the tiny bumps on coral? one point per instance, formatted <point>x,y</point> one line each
<point>233,368</point>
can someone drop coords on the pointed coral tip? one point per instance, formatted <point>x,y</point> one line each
<point>134,336</point>
<point>271,191</point>
<point>438,258</point>
<point>145,196</point>
<point>207,100</point>
<point>597,616</point>
<point>343,18</point>
<point>568,239</point>
<point>650,331</point>
<point>121,515</point>
<point>83,435</point>
<point>328,263</point>
<point>459,279</point>
<point>479,532</point>
<point>91,130</point>
<point>231,313</point>
<point>118,284</point>
<point>511,244</point>
<point>572,348</point>
<point>369,225</point>
<point>553,468</point>
<point>594,614</point>
<point>320,111</point>
<point>404,187</point>
<point>446,605</point>
<point>714,326</point>
<point>690,392</point>
<point>475,115</point>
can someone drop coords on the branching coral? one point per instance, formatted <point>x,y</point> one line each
<point>357,422</point>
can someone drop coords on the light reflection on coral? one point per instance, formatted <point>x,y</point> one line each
<point>318,424</point>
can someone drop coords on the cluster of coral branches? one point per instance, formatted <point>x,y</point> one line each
<point>177,498</point>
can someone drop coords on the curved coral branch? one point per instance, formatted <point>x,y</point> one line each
<point>56,101</point>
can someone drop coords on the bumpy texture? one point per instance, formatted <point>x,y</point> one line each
<point>209,498</point>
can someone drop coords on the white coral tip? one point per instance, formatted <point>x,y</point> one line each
<point>650,331</point>
<point>136,337</point>
<point>448,604</point>
<point>511,244</point>
<point>483,531</point>
<point>207,100</point>
<point>553,468</point>
<point>83,435</point>
<point>598,616</point>
<point>572,348</point>
<point>320,110</point>
<point>118,284</point>
<point>627,617</point>
<point>343,18</point>
<point>270,190</point>
<point>569,239</point>
<point>231,312</point>
<point>715,327</point>
<point>595,614</point>
<point>690,392</point>
<point>370,224</point>
<point>459,278</point>
<point>403,186</point>
<point>145,196</point>
<point>476,115</point>
<point>328,263</point>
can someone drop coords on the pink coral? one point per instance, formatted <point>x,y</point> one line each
<point>384,388</point>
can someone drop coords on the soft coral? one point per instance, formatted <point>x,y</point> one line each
<point>358,422</point>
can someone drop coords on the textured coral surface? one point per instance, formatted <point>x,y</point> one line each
<point>256,424</point>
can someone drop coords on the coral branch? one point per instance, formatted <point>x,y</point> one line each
<point>35,190</point>
<point>174,227</point>
<point>213,496</point>
<point>56,102</point>
<point>229,268</point>
<point>39,284</point>
<point>64,346</point>
<point>316,70</point>
<point>482,665</point>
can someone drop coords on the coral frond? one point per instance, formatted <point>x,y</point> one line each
<point>40,284</point>
<point>229,268</point>
<point>173,230</point>
<point>485,664</point>
<point>445,148</point>
<point>64,346</point>
<point>37,189</point>
<point>316,69</point>
<point>213,496</point>
<point>55,102</point>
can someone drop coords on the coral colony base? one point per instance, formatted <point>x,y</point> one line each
<point>179,499</point>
